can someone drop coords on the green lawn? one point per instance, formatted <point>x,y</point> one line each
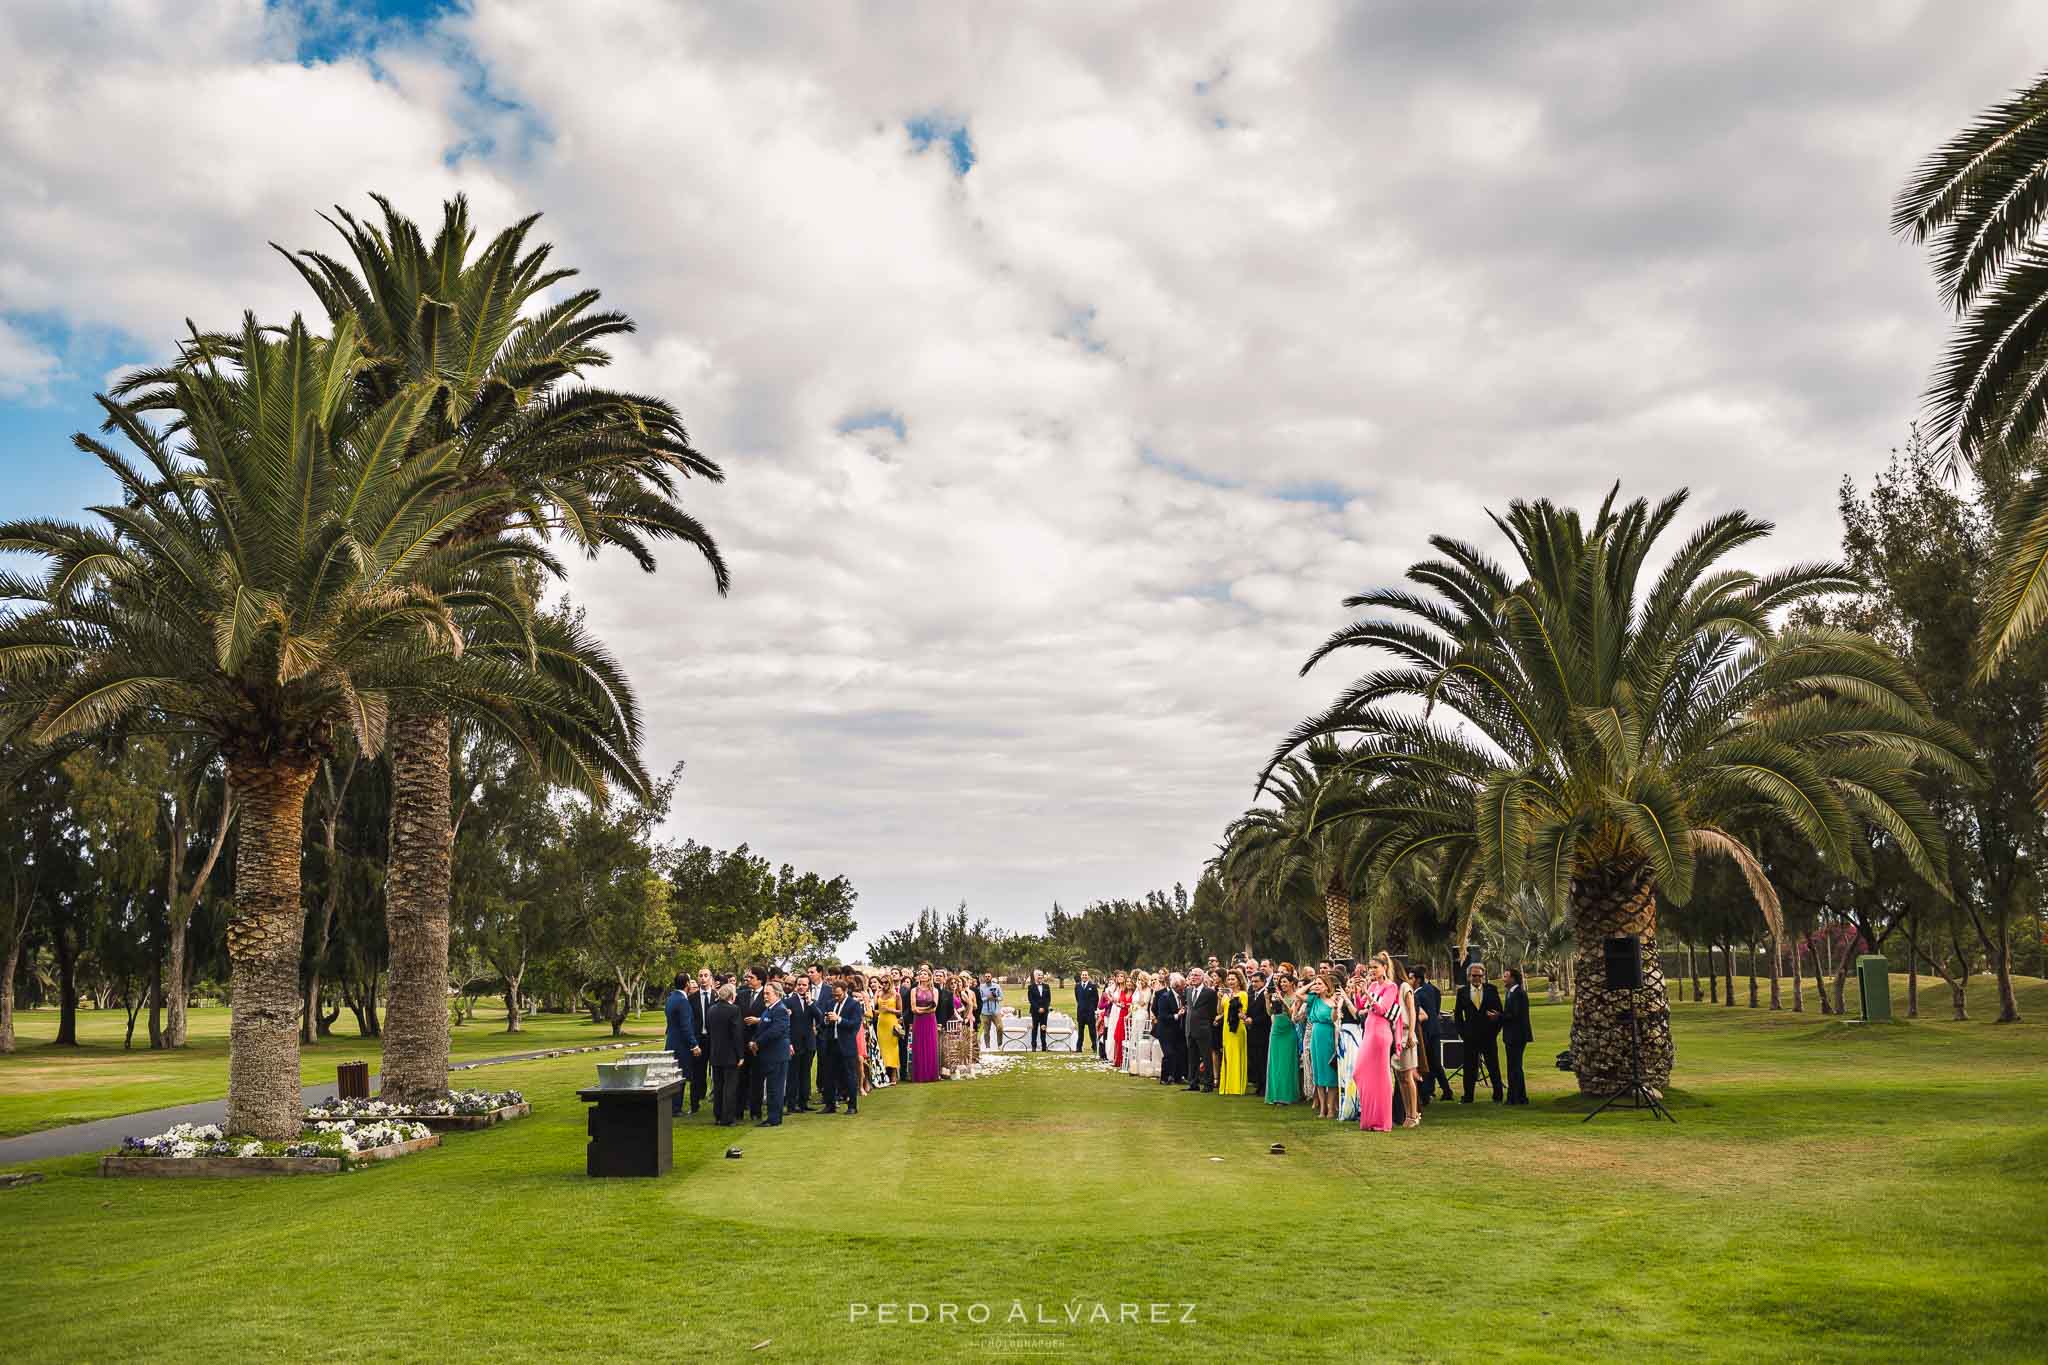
<point>1832,1192</point>
<point>43,1085</point>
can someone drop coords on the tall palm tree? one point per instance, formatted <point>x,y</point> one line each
<point>277,577</point>
<point>537,452</point>
<point>1979,201</point>
<point>1563,729</point>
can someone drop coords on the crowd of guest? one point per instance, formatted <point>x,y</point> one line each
<point>764,1043</point>
<point>1360,1041</point>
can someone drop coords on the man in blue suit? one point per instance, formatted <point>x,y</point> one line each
<point>681,1038</point>
<point>839,1038</point>
<point>1429,1013</point>
<point>771,1050</point>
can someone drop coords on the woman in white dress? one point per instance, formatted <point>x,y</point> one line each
<point>1150,1053</point>
<point>1138,1035</point>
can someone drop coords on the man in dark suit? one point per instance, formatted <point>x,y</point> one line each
<point>803,1024</point>
<point>1038,996</point>
<point>1169,1030</point>
<point>681,1036</point>
<point>770,1050</point>
<point>840,1040</point>
<point>1515,1010</point>
<point>1478,1016</point>
<point>1200,1016</point>
<point>817,998</point>
<point>703,995</point>
<point>750,1002</point>
<point>1429,1015</point>
<point>1087,995</point>
<point>727,1031</point>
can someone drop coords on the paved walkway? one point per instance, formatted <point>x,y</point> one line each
<point>103,1135</point>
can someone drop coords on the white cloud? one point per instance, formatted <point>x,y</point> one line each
<point>26,368</point>
<point>1397,264</point>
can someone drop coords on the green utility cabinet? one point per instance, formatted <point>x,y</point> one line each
<point>1874,982</point>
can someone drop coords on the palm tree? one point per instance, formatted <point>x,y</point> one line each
<point>1561,729</point>
<point>1289,853</point>
<point>276,578</point>
<point>534,452</point>
<point>1979,201</point>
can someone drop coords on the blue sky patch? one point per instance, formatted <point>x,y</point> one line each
<point>332,29</point>
<point>927,130</point>
<point>876,419</point>
<point>46,474</point>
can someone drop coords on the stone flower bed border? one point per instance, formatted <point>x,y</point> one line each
<point>135,1164</point>
<point>517,1107</point>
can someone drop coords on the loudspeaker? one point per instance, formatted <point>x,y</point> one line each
<point>1624,962</point>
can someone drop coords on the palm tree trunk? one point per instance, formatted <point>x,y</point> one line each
<point>1912,970</point>
<point>7,994</point>
<point>1607,902</point>
<point>416,909</point>
<point>1337,920</point>
<point>264,938</point>
<point>1777,950</point>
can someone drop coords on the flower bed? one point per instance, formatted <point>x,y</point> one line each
<point>457,1109</point>
<point>323,1149</point>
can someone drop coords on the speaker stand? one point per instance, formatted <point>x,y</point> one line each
<point>1636,1093</point>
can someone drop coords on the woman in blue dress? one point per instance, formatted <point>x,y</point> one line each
<point>1319,1021</point>
<point>1283,1047</point>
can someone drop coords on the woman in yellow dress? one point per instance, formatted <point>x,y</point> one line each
<point>888,1028</point>
<point>1233,1029</point>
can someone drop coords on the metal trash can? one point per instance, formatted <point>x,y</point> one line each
<point>352,1081</point>
<point>1874,984</point>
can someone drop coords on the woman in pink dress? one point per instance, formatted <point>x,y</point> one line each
<point>924,1028</point>
<point>1123,1023</point>
<point>1379,1005</point>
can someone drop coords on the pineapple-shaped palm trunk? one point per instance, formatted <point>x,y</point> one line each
<point>264,937</point>
<point>1608,901</point>
<point>1337,920</point>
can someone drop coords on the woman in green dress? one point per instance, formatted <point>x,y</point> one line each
<point>1319,1020</point>
<point>1283,1048</point>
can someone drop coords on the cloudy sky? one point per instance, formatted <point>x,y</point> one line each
<point>1069,363</point>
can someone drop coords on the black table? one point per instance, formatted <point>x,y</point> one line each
<point>630,1130</point>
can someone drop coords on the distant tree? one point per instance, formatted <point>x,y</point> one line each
<point>607,875</point>
<point>721,896</point>
<point>501,910</point>
<point>39,860</point>
<point>1926,546</point>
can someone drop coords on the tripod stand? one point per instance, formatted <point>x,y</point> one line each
<point>1636,1093</point>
